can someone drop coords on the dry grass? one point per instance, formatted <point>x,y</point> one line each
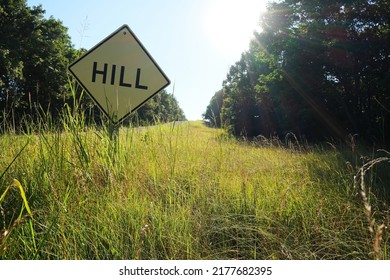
<point>375,229</point>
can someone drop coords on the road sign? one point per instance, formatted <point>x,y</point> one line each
<point>119,74</point>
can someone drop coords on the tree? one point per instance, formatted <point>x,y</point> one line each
<point>213,111</point>
<point>247,110</point>
<point>240,104</point>
<point>335,56</point>
<point>162,108</point>
<point>322,71</point>
<point>33,61</point>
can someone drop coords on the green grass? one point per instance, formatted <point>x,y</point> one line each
<point>183,192</point>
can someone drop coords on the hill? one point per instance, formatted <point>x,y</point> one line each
<point>185,191</point>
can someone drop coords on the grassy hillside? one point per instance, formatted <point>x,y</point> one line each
<point>185,192</point>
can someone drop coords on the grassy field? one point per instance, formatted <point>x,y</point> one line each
<point>185,191</point>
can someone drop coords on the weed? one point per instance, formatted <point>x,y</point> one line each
<point>376,230</point>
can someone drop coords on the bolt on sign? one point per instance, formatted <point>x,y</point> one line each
<point>119,74</point>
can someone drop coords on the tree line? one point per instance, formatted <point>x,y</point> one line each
<point>34,55</point>
<point>318,69</point>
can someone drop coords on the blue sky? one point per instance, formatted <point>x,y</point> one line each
<point>193,41</point>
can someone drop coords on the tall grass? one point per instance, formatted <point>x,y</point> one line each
<point>182,191</point>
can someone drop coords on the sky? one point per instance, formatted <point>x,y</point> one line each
<point>193,41</point>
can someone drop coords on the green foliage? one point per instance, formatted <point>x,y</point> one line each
<point>34,55</point>
<point>213,111</point>
<point>319,69</point>
<point>162,108</point>
<point>245,111</point>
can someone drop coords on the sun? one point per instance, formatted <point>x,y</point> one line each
<point>229,24</point>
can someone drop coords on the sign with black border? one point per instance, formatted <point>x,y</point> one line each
<point>119,74</point>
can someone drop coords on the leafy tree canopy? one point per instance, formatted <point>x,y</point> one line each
<point>162,108</point>
<point>319,69</point>
<point>34,55</point>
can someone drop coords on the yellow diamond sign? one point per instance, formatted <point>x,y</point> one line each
<point>119,74</point>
